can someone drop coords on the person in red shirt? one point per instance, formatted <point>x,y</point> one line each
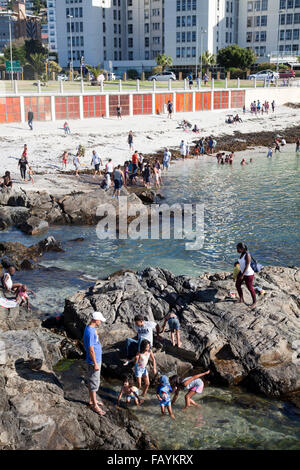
<point>135,160</point>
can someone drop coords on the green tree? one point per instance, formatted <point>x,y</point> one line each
<point>164,61</point>
<point>37,62</point>
<point>208,60</point>
<point>235,56</point>
<point>18,53</point>
<point>34,46</point>
<point>95,71</point>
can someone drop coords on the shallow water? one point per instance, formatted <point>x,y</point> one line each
<point>227,419</point>
<point>258,204</point>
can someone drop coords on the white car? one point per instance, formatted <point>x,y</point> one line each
<point>264,75</point>
<point>163,77</point>
<point>63,78</point>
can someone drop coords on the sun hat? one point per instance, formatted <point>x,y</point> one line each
<point>98,316</point>
<point>164,380</point>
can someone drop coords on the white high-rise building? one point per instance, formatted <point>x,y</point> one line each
<point>51,16</point>
<point>268,26</point>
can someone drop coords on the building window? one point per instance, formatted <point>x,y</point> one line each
<point>189,21</point>
<point>183,21</point>
<point>297,3</point>
<point>178,5</point>
<point>147,55</point>
<point>183,5</point>
<point>193,52</point>
<point>263,36</point>
<point>256,36</point>
<point>249,22</point>
<point>250,6</point>
<point>264,5</point>
<point>194,4</point>
<point>289,18</point>
<point>282,19</point>
<point>130,29</point>
<point>264,20</point>
<point>183,52</point>
<point>146,27</point>
<point>189,4</point>
<point>290,3</point>
<point>130,15</point>
<point>288,34</point>
<point>288,48</point>
<point>194,20</point>
<point>257,5</point>
<point>183,37</point>
<point>296,18</point>
<point>281,35</point>
<point>262,51</point>
<point>282,5</point>
<point>296,34</point>
<point>178,37</point>
<point>178,52</point>
<point>130,55</point>
<point>188,52</point>
<point>295,48</point>
<point>188,36</point>
<point>257,21</point>
<point>194,36</point>
<point>130,42</point>
<point>178,20</point>
<point>147,42</point>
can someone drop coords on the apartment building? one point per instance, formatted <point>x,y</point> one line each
<point>51,18</point>
<point>268,26</point>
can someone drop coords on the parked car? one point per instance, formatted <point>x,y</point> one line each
<point>264,75</point>
<point>163,76</point>
<point>63,77</point>
<point>287,74</point>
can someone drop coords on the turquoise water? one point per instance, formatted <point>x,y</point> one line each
<point>227,419</point>
<point>258,204</point>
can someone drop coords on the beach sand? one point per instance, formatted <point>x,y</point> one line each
<point>108,137</point>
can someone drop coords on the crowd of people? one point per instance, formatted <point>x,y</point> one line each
<point>139,351</point>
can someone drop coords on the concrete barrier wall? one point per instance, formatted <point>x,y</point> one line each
<point>46,107</point>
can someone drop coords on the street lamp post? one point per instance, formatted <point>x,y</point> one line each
<point>277,65</point>
<point>202,32</point>
<point>71,38</point>
<point>11,56</point>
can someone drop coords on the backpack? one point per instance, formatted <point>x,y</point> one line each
<point>257,267</point>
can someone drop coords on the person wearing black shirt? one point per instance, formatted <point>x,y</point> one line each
<point>30,118</point>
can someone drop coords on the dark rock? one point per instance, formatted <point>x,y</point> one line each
<point>239,345</point>
<point>34,226</point>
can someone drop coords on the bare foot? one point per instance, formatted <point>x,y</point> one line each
<point>253,306</point>
<point>172,416</point>
<point>179,344</point>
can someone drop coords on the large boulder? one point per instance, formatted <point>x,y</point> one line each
<point>34,226</point>
<point>255,348</point>
<point>12,215</point>
<point>41,409</point>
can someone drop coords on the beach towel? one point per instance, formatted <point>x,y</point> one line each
<point>7,303</point>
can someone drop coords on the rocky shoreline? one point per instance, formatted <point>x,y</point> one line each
<point>43,392</point>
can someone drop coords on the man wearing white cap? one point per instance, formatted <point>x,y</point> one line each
<point>93,350</point>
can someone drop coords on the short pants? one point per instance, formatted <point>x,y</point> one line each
<point>198,386</point>
<point>93,378</point>
<point>97,166</point>
<point>140,371</point>
<point>165,402</point>
<point>118,184</point>
<point>132,396</point>
<point>173,324</point>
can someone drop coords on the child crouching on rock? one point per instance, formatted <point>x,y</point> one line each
<point>22,296</point>
<point>192,384</point>
<point>163,394</point>
<point>130,391</point>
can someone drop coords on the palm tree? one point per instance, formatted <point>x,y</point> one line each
<point>164,61</point>
<point>37,62</point>
<point>208,60</point>
<point>95,71</point>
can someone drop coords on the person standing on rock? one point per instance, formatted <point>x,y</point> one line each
<point>23,166</point>
<point>7,282</point>
<point>140,363</point>
<point>119,180</point>
<point>93,351</point>
<point>246,274</point>
<point>96,161</point>
<point>166,159</point>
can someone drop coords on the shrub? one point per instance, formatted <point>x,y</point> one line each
<point>236,72</point>
<point>132,74</point>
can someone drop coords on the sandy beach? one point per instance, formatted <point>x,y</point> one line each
<point>108,137</point>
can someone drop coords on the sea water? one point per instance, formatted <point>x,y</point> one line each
<point>258,204</point>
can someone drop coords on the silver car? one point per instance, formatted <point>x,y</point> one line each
<point>163,77</point>
<point>264,75</point>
